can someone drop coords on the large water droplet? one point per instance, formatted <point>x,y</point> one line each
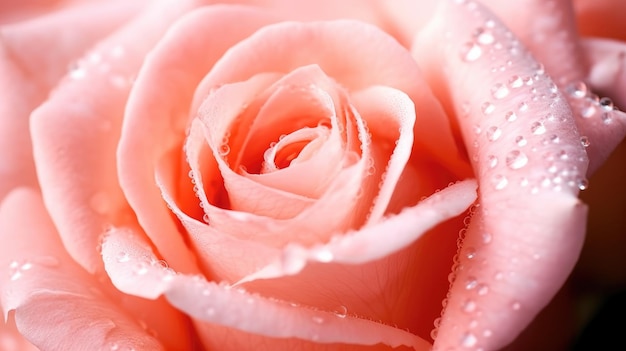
<point>515,82</point>
<point>485,37</point>
<point>469,306</point>
<point>487,108</point>
<point>493,133</point>
<point>470,52</point>
<point>510,116</point>
<point>516,159</point>
<point>469,340</point>
<point>499,182</point>
<point>537,128</point>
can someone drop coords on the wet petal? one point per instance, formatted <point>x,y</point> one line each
<point>233,308</point>
<point>46,288</point>
<point>520,133</point>
<point>26,89</point>
<point>77,166</point>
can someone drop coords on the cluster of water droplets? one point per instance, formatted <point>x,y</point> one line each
<point>588,105</point>
<point>19,268</point>
<point>102,63</point>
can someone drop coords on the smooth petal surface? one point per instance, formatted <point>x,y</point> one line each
<point>527,233</point>
<point>601,18</point>
<point>77,166</point>
<point>26,76</point>
<point>141,274</point>
<point>45,287</point>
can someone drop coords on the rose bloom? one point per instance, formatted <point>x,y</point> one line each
<point>299,175</point>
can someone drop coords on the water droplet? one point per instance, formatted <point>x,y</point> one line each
<point>483,289</point>
<point>499,182</point>
<point>141,268</point>
<point>588,111</point>
<point>123,257</point>
<point>606,118</point>
<point>224,150</point>
<point>470,253</point>
<point>583,184</point>
<point>470,52</point>
<point>606,104</point>
<point>477,129</point>
<point>487,333</point>
<point>469,340</point>
<point>577,90</point>
<point>515,82</point>
<point>342,312</point>
<point>471,283</point>
<point>584,141</point>
<point>210,311</point>
<point>492,161</point>
<point>486,238</point>
<point>484,37</point>
<point>537,128</point>
<point>469,306</point>
<point>493,133</point>
<point>499,91</point>
<point>516,159</point>
<point>318,319</point>
<point>487,108</point>
<point>510,116</point>
<point>522,107</point>
<point>516,306</point>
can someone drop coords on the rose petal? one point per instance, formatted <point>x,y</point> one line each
<point>26,90</point>
<point>46,288</point>
<point>233,308</point>
<point>154,115</point>
<point>549,30</point>
<point>77,166</point>
<point>378,272</point>
<point>527,234</point>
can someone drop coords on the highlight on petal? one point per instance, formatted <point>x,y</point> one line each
<point>140,274</point>
<point>53,299</point>
<point>526,150</point>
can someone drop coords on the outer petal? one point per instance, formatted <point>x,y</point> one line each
<point>26,76</point>
<point>46,288</point>
<point>527,234</point>
<point>601,18</point>
<point>77,165</point>
<point>139,273</point>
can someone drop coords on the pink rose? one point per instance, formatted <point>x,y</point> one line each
<point>309,176</point>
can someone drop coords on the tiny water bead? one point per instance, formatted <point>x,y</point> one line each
<point>469,306</point>
<point>469,340</point>
<point>499,181</point>
<point>538,128</point>
<point>492,161</point>
<point>516,159</point>
<point>499,91</point>
<point>470,52</point>
<point>487,108</point>
<point>493,133</point>
<point>510,116</point>
<point>484,36</point>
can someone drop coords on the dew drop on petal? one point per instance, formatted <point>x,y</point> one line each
<point>516,159</point>
<point>469,340</point>
<point>499,182</point>
<point>510,116</point>
<point>515,82</point>
<point>537,128</point>
<point>485,37</point>
<point>469,306</point>
<point>487,108</point>
<point>499,91</point>
<point>492,161</point>
<point>584,141</point>
<point>470,52</point>
<point>493,133</point>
